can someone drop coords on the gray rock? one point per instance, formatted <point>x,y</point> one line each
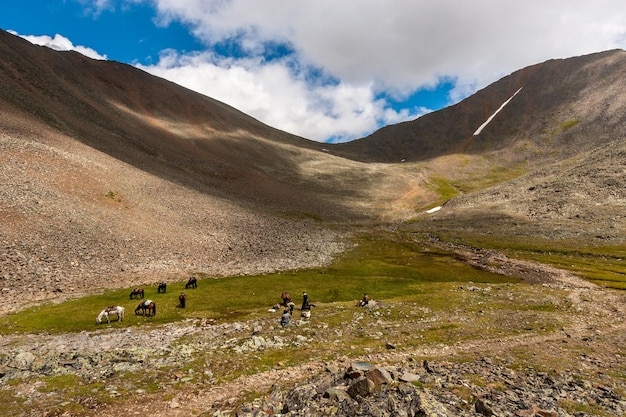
<point>337,395</point>
<point>361,388</point>
<point>409,377</point>
<point>23,361</point>
<point>430,407</point>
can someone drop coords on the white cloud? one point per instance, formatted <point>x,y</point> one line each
<point>407,43</point>
<point>61,43</point>
<point>370,48</point>
<point>395,46</point>
<point>274,94</point>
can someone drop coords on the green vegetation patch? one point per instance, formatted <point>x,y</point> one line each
<point>380,266</point>
<point>443,187</point>
<point>568,124</point>
<point>603,265</point>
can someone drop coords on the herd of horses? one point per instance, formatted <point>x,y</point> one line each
<point>145,307</point>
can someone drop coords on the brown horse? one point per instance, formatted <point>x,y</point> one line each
<point>136,293</point>
<point>146,306</point>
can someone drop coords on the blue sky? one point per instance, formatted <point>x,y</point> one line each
<point>325,70</point>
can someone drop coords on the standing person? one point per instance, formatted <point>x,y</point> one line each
<point>285,318</point>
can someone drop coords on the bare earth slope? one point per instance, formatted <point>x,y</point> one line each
<point>110,176</point>
<point>581,199</point>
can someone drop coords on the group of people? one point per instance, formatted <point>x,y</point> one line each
<point>289,305</point>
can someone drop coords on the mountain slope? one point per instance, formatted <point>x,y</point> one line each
<point>169,131</point>
<point>564,106</point>
<point>110,176</point>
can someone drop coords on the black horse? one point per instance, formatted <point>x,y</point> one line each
<point>182,299</point>
<point>192,283</point>
<point>162,288</point>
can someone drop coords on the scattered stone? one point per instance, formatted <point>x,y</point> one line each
<point>482,407</point>
<point>361,387</point>
<point>378,376</point>
<point>23,361</point>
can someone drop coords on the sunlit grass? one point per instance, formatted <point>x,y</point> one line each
<point>383,267</point>
<point>603,265</point>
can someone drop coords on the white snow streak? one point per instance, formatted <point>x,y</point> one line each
<point>496,112</point>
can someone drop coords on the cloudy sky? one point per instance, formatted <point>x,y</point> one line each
<point>325,70</point>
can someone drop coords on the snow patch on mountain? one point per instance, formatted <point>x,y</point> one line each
<point>477,132</point>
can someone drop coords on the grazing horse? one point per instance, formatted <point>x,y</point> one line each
<point>162,288</point>
<point>119,310</point>
<point>182,299</point>
<point>146,306</point>
<point>136,293</point>
<point>192,283</point>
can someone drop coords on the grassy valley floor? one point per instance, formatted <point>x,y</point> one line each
<point>226,348</point>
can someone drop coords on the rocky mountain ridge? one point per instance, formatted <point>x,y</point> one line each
<point>562,108</point>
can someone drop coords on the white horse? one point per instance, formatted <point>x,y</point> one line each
<point>119,310</point>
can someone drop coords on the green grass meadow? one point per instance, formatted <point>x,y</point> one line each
<point>385,268</point>
<point>602,265</point>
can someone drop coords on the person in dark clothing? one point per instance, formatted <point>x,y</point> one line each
<point>365,300</point>
<point>305,302</point>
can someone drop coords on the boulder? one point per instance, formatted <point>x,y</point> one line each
<point>361,387</point>
<point>378,376</point>
<point>23,361</point>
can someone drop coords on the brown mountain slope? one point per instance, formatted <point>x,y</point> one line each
<point>110,177</point>
<point>577,203</point>
<point>169,131</point>
<point>564,106</point>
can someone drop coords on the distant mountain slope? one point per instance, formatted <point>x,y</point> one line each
<point>563,107</point>
<point>180,135</point>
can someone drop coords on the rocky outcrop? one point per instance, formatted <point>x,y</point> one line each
<point>439,389</point>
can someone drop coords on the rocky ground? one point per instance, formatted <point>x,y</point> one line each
<point>70,216</point>
<point>575,370</point>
